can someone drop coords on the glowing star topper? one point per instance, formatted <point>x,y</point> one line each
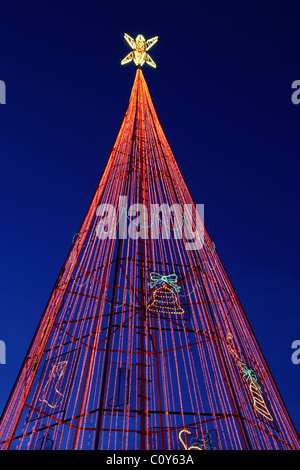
<point>139,54</point>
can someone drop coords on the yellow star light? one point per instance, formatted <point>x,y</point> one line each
<point>139,54</point>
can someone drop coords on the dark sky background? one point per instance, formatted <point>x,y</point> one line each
<point>222,91</point>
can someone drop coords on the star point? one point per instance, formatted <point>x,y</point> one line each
<point>139,54</point>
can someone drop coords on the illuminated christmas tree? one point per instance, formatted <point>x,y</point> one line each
<point>143,343</point>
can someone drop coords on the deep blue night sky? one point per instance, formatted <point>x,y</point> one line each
<point>222,91</point>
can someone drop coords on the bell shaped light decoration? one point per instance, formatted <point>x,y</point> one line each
<point>165,302</point>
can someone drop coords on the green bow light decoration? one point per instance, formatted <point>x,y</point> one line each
<point>249,374</point>
<point>170,279</point>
